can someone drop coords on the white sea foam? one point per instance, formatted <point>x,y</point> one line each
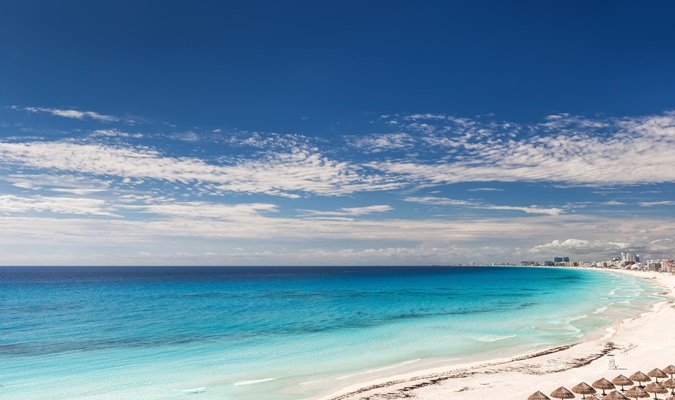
<point>254,381</point>
<point>600,310</point>
<point>194,390</point>
<point>492,339</point>
<point>576,318</point>
<point>311,382</point>
<point>369,371</point>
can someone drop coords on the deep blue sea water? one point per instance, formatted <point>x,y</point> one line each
<point>280,333</point>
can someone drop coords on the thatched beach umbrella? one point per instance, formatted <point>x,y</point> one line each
<point>670,370</point>
<point>603,384</point>
<point>538,396</point>
<point>640,377</point>
<point>622,381</point>
<point>656,374</point>
<point>669,384</point>
<point>655,388</point>
<point>592,397</point>
<point>583,389</point>
<point>615,395</point>
<point>637,392</point>
<point>562,393</point>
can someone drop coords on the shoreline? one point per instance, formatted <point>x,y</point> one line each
<point>633,342</point>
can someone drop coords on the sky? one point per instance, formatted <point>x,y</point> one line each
<point>335,133</point>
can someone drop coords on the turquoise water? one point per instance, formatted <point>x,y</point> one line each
<point>280,333</point>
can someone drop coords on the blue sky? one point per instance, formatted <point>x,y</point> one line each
<point>225,133</point>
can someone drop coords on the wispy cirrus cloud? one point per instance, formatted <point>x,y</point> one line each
<point>143,190</point>
<point>348,212</point>
<point>565,149</point>
<point>115,133</point>
<point>443,201</point>
<point>70,113</point>
<point>10,204</point>
<point>291,174</point>
<point>204,210</point>
<point>59,183</point>
<point>657,203</point>
<point>375,143</point>
<point>485,189</point>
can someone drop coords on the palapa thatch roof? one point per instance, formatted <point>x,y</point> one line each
<point>657,373</point>
<point>583,388</point>
<point>538,396</point>
<point>668,383</point>
<point>615,395</point>
<point>562,393</point>
<point>603,384</point>
<point>640,377</point>
<point>622,381</point>
<point>669,369</point>
<point>655,388</point>
<point>636,392</point>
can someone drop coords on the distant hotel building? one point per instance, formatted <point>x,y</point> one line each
<point>628,258</point>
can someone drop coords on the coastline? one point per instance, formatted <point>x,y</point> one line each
<point>640,342</point>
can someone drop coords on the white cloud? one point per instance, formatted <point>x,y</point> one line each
<point>344,213</point>
<point>71,113</point>
<point>527,210</point>
<point>573,151</point>
<point>439,201</point>
<point>187,136</point>
<point>579,246</point>
<point>269,237</point>
<point>10,204</point>
<point>657,203</point>
<point>63,183</point>
<point>289,174</point>
<point>115,133</point>
<point>207,211</point>
<point>376,143</point>
<point>443,201</point>
<point>485,189</point>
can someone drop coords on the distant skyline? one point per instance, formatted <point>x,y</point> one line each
<point>377,133</point>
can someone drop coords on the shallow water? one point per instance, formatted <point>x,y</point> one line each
<point>279,333</point>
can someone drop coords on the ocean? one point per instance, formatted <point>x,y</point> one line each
<point>281,333</point>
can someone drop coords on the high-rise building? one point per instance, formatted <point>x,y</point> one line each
<point>628,258</point>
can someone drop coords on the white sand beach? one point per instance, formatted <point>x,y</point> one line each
<point>639,343</point>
